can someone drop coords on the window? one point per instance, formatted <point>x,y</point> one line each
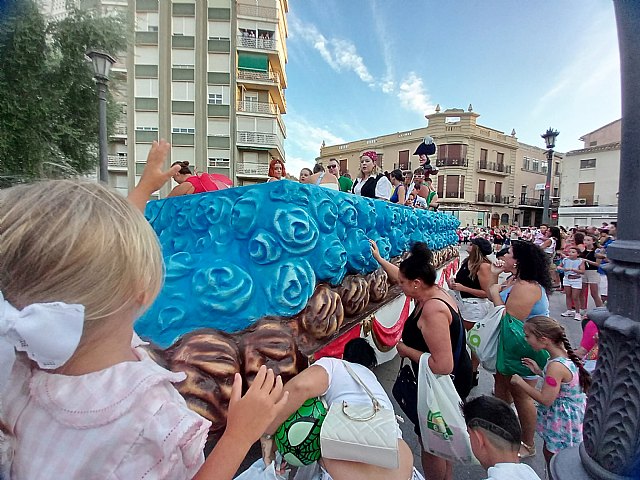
<point>557,168</point>
<point>215,99</point>
<point>484,153</point>
<point>403,159</point>
<point>184,26</point>
<point>147,129</point>
<point>147,21</point>
<point>454,152</point>
<point>183,91</point>
<point>441,186</point>
<point>498,192</point>
<point>543,166</point>
<point>453,186</point>
<point>588,163</point>
<point>146,87</point>
<point>500,158</point>
<point>535,164</point>
<point>183,130</point>
<point>526,163</point>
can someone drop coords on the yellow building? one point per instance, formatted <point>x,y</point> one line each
<point>479,168</point>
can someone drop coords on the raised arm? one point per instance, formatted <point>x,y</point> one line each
<point>390,268</point>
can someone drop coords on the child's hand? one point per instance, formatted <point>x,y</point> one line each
<point>153,175</point>
<point>532,365</point>
<point>249,416</point>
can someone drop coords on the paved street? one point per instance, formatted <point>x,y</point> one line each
<point>387,373</point>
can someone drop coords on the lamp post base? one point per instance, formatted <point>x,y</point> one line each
<point>570,464</point>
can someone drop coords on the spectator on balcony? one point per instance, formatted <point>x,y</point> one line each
<point>370,182</point>
<point>276,170</point>
<point>304,174</point>
<point>323,179</point>
<point>346,184</point>
<point>398,195</point>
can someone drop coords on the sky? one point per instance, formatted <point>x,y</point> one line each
<point>363,68</point>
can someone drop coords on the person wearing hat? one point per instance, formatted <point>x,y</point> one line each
<point>370,182</point>
<point>426,148</point>
<point>470,286</point>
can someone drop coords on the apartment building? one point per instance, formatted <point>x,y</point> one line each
<point>479,168</point>
<point>591,177</point>
<point>208,75</point>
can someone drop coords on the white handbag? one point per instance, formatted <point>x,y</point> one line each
<point>360,433</point>
<point>484,338</point>
<point>442,427</point>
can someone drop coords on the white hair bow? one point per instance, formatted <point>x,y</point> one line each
<point>49,333</point>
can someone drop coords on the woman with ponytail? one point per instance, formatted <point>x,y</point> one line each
<point>562,399</point>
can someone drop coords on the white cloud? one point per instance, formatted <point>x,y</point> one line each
<point>413,96</point>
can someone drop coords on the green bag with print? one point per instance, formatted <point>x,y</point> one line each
<point>513,347</point>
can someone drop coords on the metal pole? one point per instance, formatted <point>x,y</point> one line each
<point>546,216</point>
<point>611,447</point>
<point>102,137</point>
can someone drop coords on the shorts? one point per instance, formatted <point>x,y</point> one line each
<point>572,282</point>
<point>591,276</point>
<point>474,309</point>
<point>604,285</point>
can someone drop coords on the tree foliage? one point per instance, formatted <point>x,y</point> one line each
<point>48,98</point>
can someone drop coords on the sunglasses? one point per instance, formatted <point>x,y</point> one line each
<point>332,166</point>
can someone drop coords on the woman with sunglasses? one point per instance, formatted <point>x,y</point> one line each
<point>345,182</point>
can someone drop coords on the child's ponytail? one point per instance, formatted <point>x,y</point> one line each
<point>585,376</point>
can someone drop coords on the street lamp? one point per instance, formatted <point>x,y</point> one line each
<point>611,446</point>
<point>102,63</point>
<point>550,138</point>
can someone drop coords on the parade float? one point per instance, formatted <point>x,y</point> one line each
<point>279,274</point>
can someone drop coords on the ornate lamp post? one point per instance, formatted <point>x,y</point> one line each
<point>611,447</point>
<point>550,138</point>
<point>102,63</point>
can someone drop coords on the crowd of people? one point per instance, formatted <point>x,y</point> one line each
<point>81,398</point>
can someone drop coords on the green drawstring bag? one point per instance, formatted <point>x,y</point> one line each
<point>512,348</point>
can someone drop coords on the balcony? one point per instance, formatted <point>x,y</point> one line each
<point>255,11</point>
<point>117,162</point>
<point>258,107</point>
<point>450,195</point>
<point>120,130</point>
<point>260,140</point>
<point>254,76</point>
<point>530,202</point>
<point>494,168</point>
<point>252,169</point>
<point>586,201</point>
<point>489,198</point>
<point>452,162</point>
<point>257,43</point>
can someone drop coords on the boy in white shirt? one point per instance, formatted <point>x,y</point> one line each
<point>495,433</point>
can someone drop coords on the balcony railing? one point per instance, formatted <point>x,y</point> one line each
<point>586,201</point>
<point>117,161</point>
<point>494,167</point>
<point>489,198</point>
<point>256,11</point>
<point>250,168</point>
<point>452,162</point>
<point>250,75</point>
<point>258,107</point>
<point>454,194</point>
<point>530,202</point>
<point>120,129</point>
<point>259,138</point>
<point>257,43</point>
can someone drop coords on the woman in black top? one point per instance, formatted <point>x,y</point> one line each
<point>591,277</point>
<point>434,326</point>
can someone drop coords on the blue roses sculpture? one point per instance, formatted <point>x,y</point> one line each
<point>237,255</point>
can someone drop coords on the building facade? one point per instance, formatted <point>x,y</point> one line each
<point>480,175</point>
<point>207,75</point>
<point>590,179</point>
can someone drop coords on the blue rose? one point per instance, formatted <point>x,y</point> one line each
<point>358,251</point>
<point>333,261</point>
<point>244,215</point>
<point>290,286</point>
<point>223,288</point>
<point>297,231</point>
<point>326,214</point>
<point>290,193</point>
<point>264,248</point>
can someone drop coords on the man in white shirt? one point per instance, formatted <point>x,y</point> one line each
<point>495,433</point>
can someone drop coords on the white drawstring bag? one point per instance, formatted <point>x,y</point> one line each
<point>484,338</point>
<point>442,427</point>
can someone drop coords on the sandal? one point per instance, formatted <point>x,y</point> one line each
<point>531,451</point>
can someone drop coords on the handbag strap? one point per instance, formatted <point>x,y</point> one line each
<point>374,400</point>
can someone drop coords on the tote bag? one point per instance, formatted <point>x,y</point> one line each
<point>442,427</point>
<point>513,347</point>
<point>485,336</point>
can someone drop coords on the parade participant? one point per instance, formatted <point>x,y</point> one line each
<point>345,182</point>
<point>81,397</point>
<point>472,283</point>
<point>370,183</point>
<point>495,433</point>
<point>434,326</point>
<point>524,295</point>
<point>189,183</point>
<point>398,187</point>
<point>276,170</point>
<point>426,148</point>
<point>328,378</point>
<point>322,178</point>
<point>304,174</point>
<point>432,196</point>
<point>591,277</point>
<point>562,398</point>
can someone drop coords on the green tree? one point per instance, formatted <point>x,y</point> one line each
<point>48,98</point>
